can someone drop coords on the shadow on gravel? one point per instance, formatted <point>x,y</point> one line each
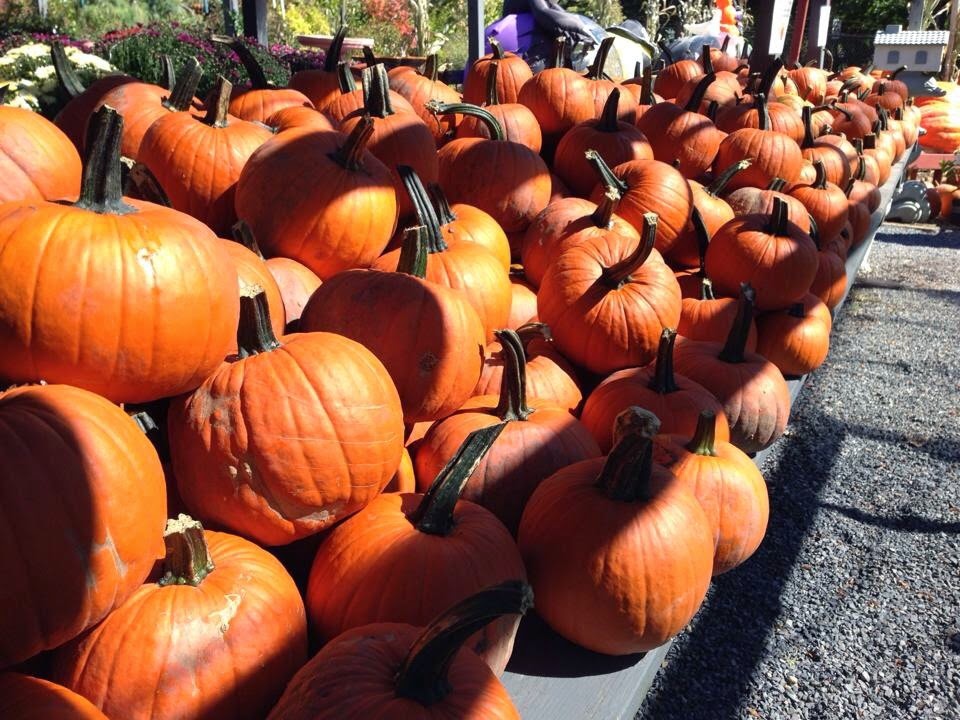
<point>906,522</point>
<point>936,238</point>
<point>730,634</point>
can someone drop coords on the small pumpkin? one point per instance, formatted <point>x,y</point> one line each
<point>796,340</point>
<point>262,99</point>
<point>23,697</point>
<point>825,201</point>
<point>419,88</point>
<point>670,81</point>
<point>37,160</point>
<point>511,72</point>
<point>518,123</point>
<point>322,85</point>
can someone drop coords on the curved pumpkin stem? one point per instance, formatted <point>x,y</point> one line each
<point>606,174</point>
<point>893,75</point>
<point>528,332</point>
<point>618,274</point>
<point>441,204</point>
<point>706,289</point>
<point>426,215</point>
<point>600,59</point>
<point>331,61</point>
<point>777,184</point>
<point>414,253</point>
<point>603,216</point>
<point>252,66</point>
<point>218,108</point>
<point>807,115</point>
<point>496,49</point>
<point>735,348</point>
<point>434,514</point>
<point>693,104</point>
<point>493,92</point>
<point>493,125</point>
<point>646,87</point>
<point>718,185</point>
<point>69,82</point>
<point>101,182</point>
<point>703,240</point>
<point>350,154</point>
<point>187,560</point>
<point>703,441</point>
<point>254,331</point>
<point>625,476</point>
<point>376,91</point>
<point>181,97</point>
<point>763,112</point>
<point>820,183</point>
<point>243,234</point>
<point>431,67</point>
<point>779,217</point>
<point>663,381</point>
<point>345,78</point>
<point>609,119</point>
<point>706,61</point>
<point>423,674</point>
<point>769,76</point>
<point>513,387</point>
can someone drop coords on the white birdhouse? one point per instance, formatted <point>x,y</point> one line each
<point>919,50</point>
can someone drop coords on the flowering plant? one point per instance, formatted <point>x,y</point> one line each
<point>27,73</point>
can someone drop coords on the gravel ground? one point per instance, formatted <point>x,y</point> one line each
<point>851,607</point>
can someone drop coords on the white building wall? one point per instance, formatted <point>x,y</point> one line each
<point>908,57</point>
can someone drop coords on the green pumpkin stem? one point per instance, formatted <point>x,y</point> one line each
<point>606,174</point>
<point>423,675</point>
<point>513,386</point>
<point>254,332</point>
<point>603,215</point>
<point>763,112</point>
<point>414,253</point>
<point>807,114</point>
<point>820,183</point>
<point>169,72</point>
<point>618,274</point>
<point>441,204</point>
<point>663,380</point>
<point>528,332</point>
<point>778,217</point>
<point>376,91</point>
<point>70,84</point>
<point>706,61</point>
<point>496,49</point>
<point>493,92</point>
<point>434,514</point>
<point>704,437</point>
<point>331,62</point>
<point>252,66</point>
<point>696,98</point>
<point>426,215</point>
<point>493,125</point>
<point>350,154</point>
<point>218,107</point>
<point>345,78</point>
<point>187,560</point>
<point>626,473</point>
<point>734,350</point>
<point>777,184</point>
<point>243,234</point>
<point>609,118</point>
<point>600,59</point>
<point>101,183</point>
<point>769,76</point>
<point>181,96</point>
<point>718,185</point>
<point>703,240</point>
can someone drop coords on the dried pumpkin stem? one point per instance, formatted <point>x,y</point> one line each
<point>376,91</point>
<point>101,183</point>
<point>496,49</point>
<point>763,112</point>
<point>218,108</point>
<point>345,78</point>
<point>769,76</point>
<point>607,176</point>
<point>703,240</point>
<point>807,114</point>
<point>779,217</point>
<point>820,182</point>
<point>243,234</point>
<point>706,289</point>
<point>603,215</point>
<point>528,332</point>
<point>169,72</point>
<point>254,332</point>
<point>618,274</point>
<point>706,60</point>
<point>188,560</point>
<point>513,386</point>
<point>69,82</point>
<point>441,204</point>
<point>431,67</point>
<point>493,125</point>
<point>699,92</point>
<point>434,514</point>
<point>626,473</point>
<point>252,66</point>
<point>735,348</point>
<point>703,441</point>
<point>423,674</point>
<point>350,154</point>
<point>718,185</point>
<point>181,96</point>
<point>423,208</point>
<point>663,381</point>
<point>332,60</point>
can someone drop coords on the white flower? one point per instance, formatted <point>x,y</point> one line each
<point>92,61</point>
<point>7,60</point>
<point>25,101</point>
<point>45,72</point>
<point>36,50</point>
<point>49,86</point>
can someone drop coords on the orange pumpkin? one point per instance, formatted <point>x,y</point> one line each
<point>261,100</point>
<point>28,698</point>
<point>773,154</point>
<point>37,161</point>
<point>511,76</point>
<point>322,85</point>
<point>796,340</point>
<point>518,123</point>
<point>419,89</point>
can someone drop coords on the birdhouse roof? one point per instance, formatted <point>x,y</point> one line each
<point>912,37</point>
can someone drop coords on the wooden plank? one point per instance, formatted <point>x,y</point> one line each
<point>255,20</point>
<point>550,678</point>
<point>475,37</point>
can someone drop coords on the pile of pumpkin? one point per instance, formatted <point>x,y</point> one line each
<point>527,340</point>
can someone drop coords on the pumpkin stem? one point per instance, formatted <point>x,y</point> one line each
<point>350,154</point>
<point>243,234</point>
<point>369,57</point>
<point>736,345</point>
<point>145,422</point>
<point>496,49</point>
<point>431,67</point>
<point>626,472</point>
<point>703,239</point>
<point>603,215</point>
<point>493,93</point>
<point>870,142</point>
<point>188,560</point>
<point>763,113</point>
<point>778,218</point>
<point>718,185</point>
<point>696,99</point>
<point>704,437</point>
<point>559,52</point>
<point>169,72</point>
<point>609,120</point>
<point>376,91</point>
<point>345,78</point>
<point>414,253</point>
<point>665,49</point>
<point>768,78</point>
<point>513,388</point>
<point>777,184</point>
<point>706,289</point>
<point>69,82</point>
<point>441,204</point>
<point>706,60</point>
<point>434,514</point>
<point>713,109</point>
<point>797,310</point>
<point>600,59</point>
<point>142,184</point>
<point>807,114</point>
<point>423,674</point>
<point>493,125</point>
<point>646,86</point>
<point>893,75</point>
<point>254,332</point>
<point>663,381</point>
<point>724,46</point>
<point>426,215</point>
<point>331,62</point>
<point>618,274</point>
<point>814,231</point>
<point>181,96</point>
<point>101,182</point>
<point>252,66</point>
<point>218,107</point>
<point>820,183</point>
<point>606,174</point>
<point>528,332</point>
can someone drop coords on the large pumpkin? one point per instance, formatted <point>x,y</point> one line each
<point>83,503</point>
<point>126,298</point>
<point>618,549</point>
<point>395,670</point>
<point>419,88</point>
<point>438,550</point>
<point>29,698</point>
<point>217,636</point>
<point>37,161</point>
<point>510,70</point>
<point>518,123</point>
<point>279,471</point>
